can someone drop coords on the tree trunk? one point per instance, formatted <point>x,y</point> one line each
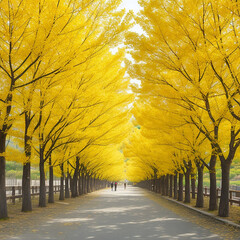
<point>193,185</point>
<point>75,179</point>
<point>71,186</point>
<point>187,187</point>
<point>171,186</point>
<point>223,210</point>
<point>158,185</point>
<point>26,177</point>
<point>79,184</point>
<point>83,183</point>
<point>200,198</point>
<point>154,180</point>
<point>42,193</point>
<point>88,183</point>
<point>180,187</point>
<point>26,188</point>
<point>175,186</point>
<point>166,185</point>
<point>74,186</point>
<point>213,184</point>
<point>163,186</point>
<point>155,183</point>
<point>61,195</point>
<point>67,194</point>
<point>94,184</point>
<point>50,191</point>
<point>3,136</point>
<point>3,199</point>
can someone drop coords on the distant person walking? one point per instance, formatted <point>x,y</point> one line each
<point>115,186</point>
<point>125,185</point>
<point>112,186</point>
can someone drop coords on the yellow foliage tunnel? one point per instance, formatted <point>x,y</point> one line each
<point>67,105</point>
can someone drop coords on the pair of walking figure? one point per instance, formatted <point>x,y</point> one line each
<point>114,185</point>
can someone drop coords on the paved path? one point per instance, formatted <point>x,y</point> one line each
<point>122,215</point>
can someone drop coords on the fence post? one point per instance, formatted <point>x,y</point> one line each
<point>13,195</point>
<point>205,190</point>
<point>230,197</point>
<point>33,191</point>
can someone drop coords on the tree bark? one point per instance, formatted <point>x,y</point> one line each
<point>26,177</point>
<point>200,198</point>
<point>3,199</point>
<point>26,188</point>
<point>175,186</point>
<point>3,136</point>
<point>50,191</point>
<point>88,183</point>
<point>187,186</point>
<point>75,179</point>
<point>94,183</point>
<point>171,186</point>
<point>163,185</point>
<point>67,193</point>
<point>155,183</point>
<point>180,187</point>
<point>223,210</point>
<point>61,195</point>
<point>42,194</point>
<point>79,184</point>
<point>159,185</point>
<point>213,184</point>
<point>166,185</point>
<point>71,184</point>
<point>193,185</point>
<point>83,183</point>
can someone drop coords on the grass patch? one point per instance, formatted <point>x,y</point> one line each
<point>235,183</point>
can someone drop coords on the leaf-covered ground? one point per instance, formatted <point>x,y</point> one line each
<point>234,210</point>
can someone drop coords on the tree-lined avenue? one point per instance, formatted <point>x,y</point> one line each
<point>68,106</point>
<point>124,214</point>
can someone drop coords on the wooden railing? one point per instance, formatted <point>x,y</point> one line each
<point>234,195</point>
<point>15,192</point>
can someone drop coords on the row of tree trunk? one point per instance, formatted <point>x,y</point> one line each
<point>81,182</point>
<point>172,186</point>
